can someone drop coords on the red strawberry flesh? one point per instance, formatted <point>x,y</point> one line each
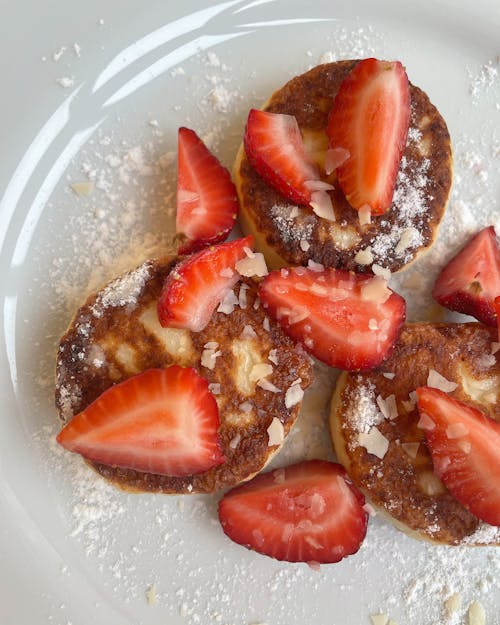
<point>370,119</point>
<point>207,202</point>
<point>162,421</point>
<point>465,448</point>
<point>470,282</point>
<point>347,320</point>
<point>274,147</point>
<point>308,512</point>
<point>196,286</point>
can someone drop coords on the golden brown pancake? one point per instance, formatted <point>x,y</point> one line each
<point>291,235</point>
<point>401,483</point>
<point>116,334</point>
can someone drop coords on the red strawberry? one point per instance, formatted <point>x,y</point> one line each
<point>162,421</point>
<point>350,321</point>
<point>370,118</point>
<point>471,280</point>
<point>196,286</point>
<point>207,203</point>
<point>275,149</point>
<point>308,512</point>
<point>465,447</point>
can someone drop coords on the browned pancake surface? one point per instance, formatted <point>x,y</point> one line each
<point>116,334</point>
<point>396,237</point>
<point>399,484</point>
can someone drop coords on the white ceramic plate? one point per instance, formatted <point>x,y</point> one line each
<point>94,91</point>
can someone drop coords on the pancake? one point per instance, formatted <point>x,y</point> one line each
<point>291,235</point>
<point>116,334</point>
<point>400,483</point>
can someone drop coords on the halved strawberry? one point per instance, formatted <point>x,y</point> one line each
<point>196,286</point>
<point>370,118</point>
<point>207,202</point>
<point>308,512</point>
<point>350,321</point>
<point>274,147</point>
<point>162,421</point>
<point>465,447</point>
<point>471,280</point>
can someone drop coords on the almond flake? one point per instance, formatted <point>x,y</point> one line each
<point>248,333</point>
<point>495,347</point>
<point>321,204</point>
<point>214,388</point>
<point>273,356</point>
<point>242,296</point>
<point>304,245</point>
<point>408,236</point>
<point>410,449</point>
<point>246,407</point>
<point>374,442</point>
<point>475,614</point>
<point>151,597</point>
<point>379,619</point>
<point>235,441</point>
<point>436,380</point>
<point>408,405</point>
<point>365,215</point>
<point>275,432</point>
<point>228,303</point>
<point>266,325</point>
<point>465,446</point>
<point>364,257</point>
<point>208,358</point>
<point>268,386</point>
<point>375,290</point>
<point>389,375</point>
<point>314,266</point>
<point>252,266</point>
<point>294,394</point>
<point>453,603</point>
<point>83,188</point>
<point>378,270</point>
<point>388,406</point>
<point>260,371</point>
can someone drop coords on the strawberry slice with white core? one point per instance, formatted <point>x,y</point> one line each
<point>347,320</point>
<point>207,202</point>
<point>274,147</point>
<point>308,512</point>
<point>471,280</point>
<point>465,448</point>
<point>162,421</point>
<point>197,285</point>
<point>369,119</point>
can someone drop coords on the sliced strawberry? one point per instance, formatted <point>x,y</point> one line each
<point>308,512</point>
<point>350,321</point>
<point>275,149</point>
<point>207,202</point>
<point>162,421</point>
<point>370,118</point>
<point>196,286</point>
<point>465,447</point>
<point>471,280</point>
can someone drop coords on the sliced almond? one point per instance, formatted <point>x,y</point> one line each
<point>375,290</point>
<point>476,614</point>
<point>374,442</point>
<point>364,257</point>
<point>410,449</point>
<point>275,432</point>
<point>436,380</point>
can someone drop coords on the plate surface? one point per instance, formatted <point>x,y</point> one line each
<point>93,94</point>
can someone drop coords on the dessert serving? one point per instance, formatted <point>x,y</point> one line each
<point>186,374</point>
<point>390,233</point>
